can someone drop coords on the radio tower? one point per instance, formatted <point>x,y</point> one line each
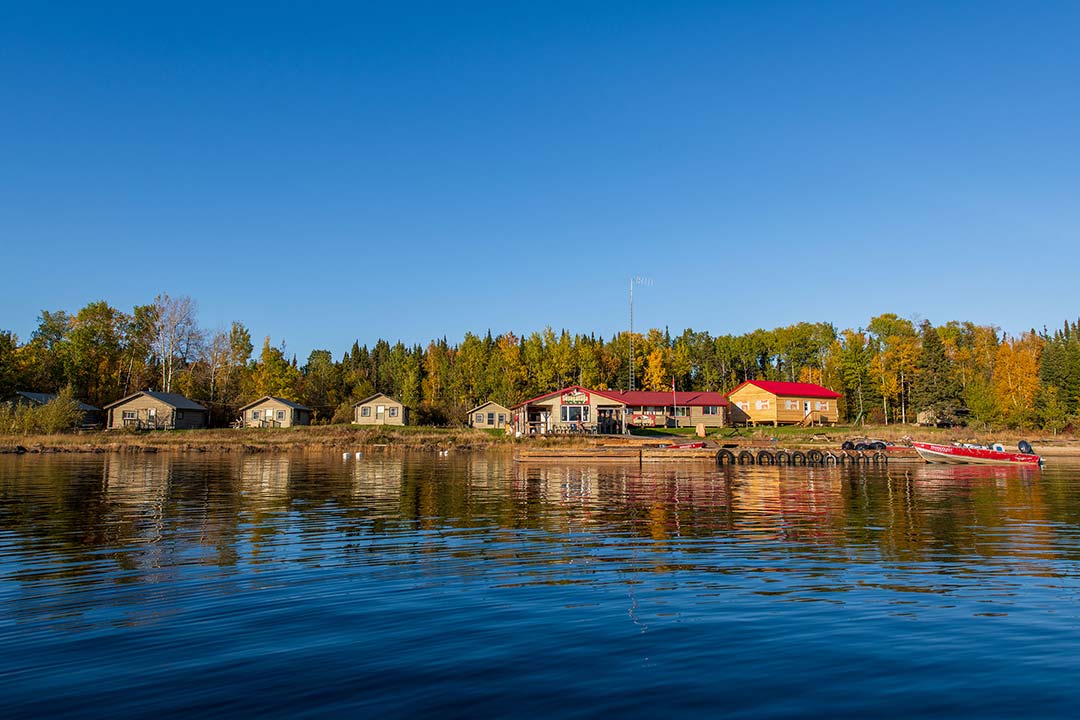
<point>645,282</point>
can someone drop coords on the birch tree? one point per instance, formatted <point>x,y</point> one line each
<point>175,334</point>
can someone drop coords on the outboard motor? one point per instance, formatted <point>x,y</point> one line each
<point>1025,447</point>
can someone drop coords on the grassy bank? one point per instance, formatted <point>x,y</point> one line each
<point>326,437</point>
<point>838,433</point>
<point>349,438</point>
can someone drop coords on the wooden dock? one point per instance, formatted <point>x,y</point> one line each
<point>734,454</point>
<point>614,454</point>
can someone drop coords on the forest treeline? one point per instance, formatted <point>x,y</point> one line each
<point>888,371</point>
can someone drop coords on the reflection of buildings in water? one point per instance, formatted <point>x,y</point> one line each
<point>488,469</point>
<point>137,479</point>
<point>377,477</point>
<point>266,475</point>
<point>137,486</point>
<point>557,483</point>
<point>656,501</point>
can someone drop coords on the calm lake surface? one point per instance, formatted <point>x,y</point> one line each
<point>471,586</point>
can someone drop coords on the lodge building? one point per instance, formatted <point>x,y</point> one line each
<point>577,409</point>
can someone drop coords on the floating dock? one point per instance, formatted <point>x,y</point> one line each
<point>727,455</point>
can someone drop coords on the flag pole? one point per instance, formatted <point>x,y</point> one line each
<point>674,402</point>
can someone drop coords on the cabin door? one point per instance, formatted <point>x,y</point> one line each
<point>805,408</point>
<point>380,413</point>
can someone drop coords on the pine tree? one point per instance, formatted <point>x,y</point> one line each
<point>934,390</point>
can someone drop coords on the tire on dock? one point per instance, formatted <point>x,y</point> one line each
<point>764,457</point>
<point>783,457</point>
<point>725,456</point>
<point>881,458</point>
<point>746,458</point>
<point>798,458</point>
<point>815,457</point>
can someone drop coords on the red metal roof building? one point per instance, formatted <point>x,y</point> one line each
<point>576,408</point>
<point>783,403</point>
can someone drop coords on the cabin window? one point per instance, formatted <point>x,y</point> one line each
<point>791,405</point>
<point>502,418</point>
<point>823,405</point>
<point>280,414</point>
<point>575,413</point>
<point>743,405</point>
<point>254,414</point>
<point>131,415</point>
<point>491,419</point>
<point>365,411</point>
<point>682,411</point>
<point>762,404</point>
<point>393,412</point>
<point>152,412</point>
<point>479,418</point>
<point>710,410</point>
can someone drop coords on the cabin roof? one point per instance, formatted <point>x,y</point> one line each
<point>172,399</point>
<point>366,400</point>
<point>790,389</point>
<point>283,401</point>
<point>661,398</point>
<point>42,398</point>
<point>484,405</point>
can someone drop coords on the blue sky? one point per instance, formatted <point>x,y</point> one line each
<point>329,172</point>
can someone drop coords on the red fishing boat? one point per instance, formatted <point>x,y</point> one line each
<point>964,454</point>
<point>686,445</point>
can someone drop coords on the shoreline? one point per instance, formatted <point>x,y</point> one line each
<point>328,438</point>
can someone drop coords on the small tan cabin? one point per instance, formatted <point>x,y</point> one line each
<point>91,415</point>
<point>148,410</point>
<point>380,409</point>
<point>489,416</point>
<point>273,411</point>
<point>765,402</point>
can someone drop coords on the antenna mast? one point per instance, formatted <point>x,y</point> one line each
<point>638,280</point>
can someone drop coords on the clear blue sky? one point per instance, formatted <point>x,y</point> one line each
<point>328,172</point>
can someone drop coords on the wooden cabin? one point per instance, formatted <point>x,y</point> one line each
<point>489,416</point>
<point>91,415</point>
<point>380,409</point>
<point>148,410</point>
<point>766,402</point>
<point>273,411</point>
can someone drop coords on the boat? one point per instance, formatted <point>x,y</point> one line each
<point>686,445</point>
<point>964,453</point>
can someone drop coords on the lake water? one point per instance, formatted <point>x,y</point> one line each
<point>469,586</point>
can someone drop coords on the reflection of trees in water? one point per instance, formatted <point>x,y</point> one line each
<point>158,511</point>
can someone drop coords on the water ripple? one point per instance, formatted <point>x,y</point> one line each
<point>395,586</point>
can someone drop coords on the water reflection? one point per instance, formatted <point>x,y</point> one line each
<point>228,504</point>
<point>130,579</point>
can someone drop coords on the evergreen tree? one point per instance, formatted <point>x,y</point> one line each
<point>934,389</point>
